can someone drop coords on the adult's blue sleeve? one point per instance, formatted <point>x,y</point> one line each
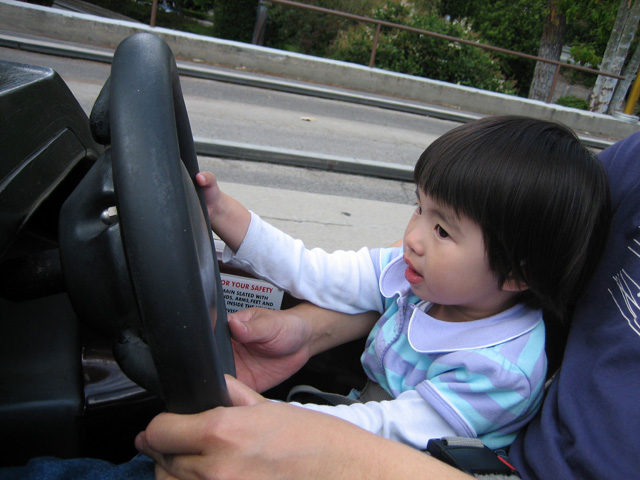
<point>589,426</point>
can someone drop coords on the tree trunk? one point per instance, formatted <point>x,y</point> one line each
<point>629,72</point>
<point>622,34</point>
<point>550,47</point>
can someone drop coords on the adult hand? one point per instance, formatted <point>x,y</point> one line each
<point>270,346</point>
<point>259,439</point>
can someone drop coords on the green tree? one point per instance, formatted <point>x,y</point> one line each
<point>512,24</point>
<point>234,19</point>
<point>589,24</point>
<point>199,5</point>
<point>583,24</point>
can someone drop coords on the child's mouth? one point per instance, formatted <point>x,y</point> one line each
<point>412,276</point>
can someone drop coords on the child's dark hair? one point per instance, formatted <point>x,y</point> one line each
<point>539,195</point>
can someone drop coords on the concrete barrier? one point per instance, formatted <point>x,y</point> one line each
<point>101,32</point>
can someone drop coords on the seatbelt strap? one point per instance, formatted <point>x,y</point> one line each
<point>309,394</point>
<point>372,392</point>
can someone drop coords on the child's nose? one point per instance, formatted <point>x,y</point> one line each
<point>412,238</point>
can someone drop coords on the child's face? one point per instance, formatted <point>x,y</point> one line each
<point>448,265</point>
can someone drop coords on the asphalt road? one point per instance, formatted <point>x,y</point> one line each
<point>228,112</point>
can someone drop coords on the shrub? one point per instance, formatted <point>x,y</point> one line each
<point>512,24</point>
<point>573,102</point>
<point>422,55</point>
<point>234,19</point>
<point>44,3</point>
<point>309,32</point>
<point>141,11</point>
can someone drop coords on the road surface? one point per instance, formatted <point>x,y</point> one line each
<point>235,113</point>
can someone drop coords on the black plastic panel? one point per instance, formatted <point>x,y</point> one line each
<point>41,397</point>
<point>44,134</point>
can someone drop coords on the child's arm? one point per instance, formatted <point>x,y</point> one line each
<point>348,279</point>
<point>343,281</point>
<point>408,419</point>
<point>229,219</point>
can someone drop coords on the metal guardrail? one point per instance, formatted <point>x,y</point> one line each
<point>239,78</point>
<point>261,20</point>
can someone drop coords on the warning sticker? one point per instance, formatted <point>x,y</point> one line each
<point>242,292</point>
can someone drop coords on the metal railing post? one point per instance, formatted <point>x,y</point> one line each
<point>154,13</point>
<point>372,60</point>
<point>556,74</point>
<point>261,24</point>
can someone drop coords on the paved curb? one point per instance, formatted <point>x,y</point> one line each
<point>326,221</point>
<point>296,158</point>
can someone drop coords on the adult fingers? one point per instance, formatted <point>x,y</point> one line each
<point>172,434</point>
<point>249,326</point>
<point>241,395</point>
<point>162,474</point>
<point>178,467</point>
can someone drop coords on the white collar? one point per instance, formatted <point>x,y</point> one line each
<point>427,334</point>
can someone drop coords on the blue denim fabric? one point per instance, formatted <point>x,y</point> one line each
<point>51,468</point>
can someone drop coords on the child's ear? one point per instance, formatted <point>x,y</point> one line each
<point>512,284</point>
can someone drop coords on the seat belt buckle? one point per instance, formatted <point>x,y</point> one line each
<point>471,456</point>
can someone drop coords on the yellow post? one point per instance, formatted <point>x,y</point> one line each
<point>634,95</point>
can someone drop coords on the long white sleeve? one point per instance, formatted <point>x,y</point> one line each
<point>408,418</point>
<point>345,281</point>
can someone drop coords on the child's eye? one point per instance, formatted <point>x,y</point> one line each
<point>418,209</point>
<point>442,233</point>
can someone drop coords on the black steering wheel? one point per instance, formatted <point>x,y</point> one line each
<point>136,245</point>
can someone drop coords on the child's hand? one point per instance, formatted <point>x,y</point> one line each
<point>211,190</point>
<point>229,219</point>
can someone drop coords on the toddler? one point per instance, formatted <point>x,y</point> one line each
<point>512,215</point>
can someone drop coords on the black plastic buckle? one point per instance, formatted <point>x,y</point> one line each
<point>470,455</point>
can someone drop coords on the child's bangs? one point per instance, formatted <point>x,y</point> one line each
<point>452,175</point>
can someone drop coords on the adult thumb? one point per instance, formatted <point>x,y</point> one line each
<point>246,326</point>
<point>240,394</point>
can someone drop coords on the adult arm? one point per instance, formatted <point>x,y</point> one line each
<point>271,345</point>
<point>258,439</point>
